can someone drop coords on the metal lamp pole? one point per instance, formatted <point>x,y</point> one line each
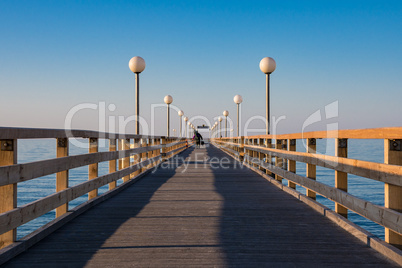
<point>267,66</point>
<point>220,126</point>
<point>238,99</point>
<point>185,125</point>
<point>226,113</point>
<point>168,100</point>
<point>180,113</point>
<point>137,65</point>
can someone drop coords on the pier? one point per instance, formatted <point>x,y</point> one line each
<point>230,203</point>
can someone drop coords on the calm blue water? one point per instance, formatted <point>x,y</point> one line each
<point>35,150</point>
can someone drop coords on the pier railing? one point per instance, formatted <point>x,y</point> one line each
<point>133,154</point>
<point>275,157</point>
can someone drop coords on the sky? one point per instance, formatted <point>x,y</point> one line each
<point>65,63</point>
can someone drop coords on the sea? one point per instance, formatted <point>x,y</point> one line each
<point>31,150</point>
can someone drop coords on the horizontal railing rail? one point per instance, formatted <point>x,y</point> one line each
<point>133,154</point>
<point>276,156</point>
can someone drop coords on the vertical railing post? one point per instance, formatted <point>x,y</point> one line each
<point>164,149</point>
<point>241,149</point>
<point>341,178</point>
<point>62,176</point>
<point>112,163</point>
<point>93,168</point>
<point>291,163</point>
<point>144,143</point>
<point>261,155</point>
<point>284,160</point>
<point>393,193</point>
<point>8,193</point>
<point>137,157</point>
<point>249,152</point>
<point>268,158</point>
<point>311,169</point>
<point>278,160</point>
<point>158,151</point>
<point>124,144</point>
<point>255,153</point>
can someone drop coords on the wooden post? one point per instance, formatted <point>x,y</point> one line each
<point>93,168</point>
<point>393,193</point>
<point>163,142</point>
<point>261,155</point>
<point>268,158</point>
<point>311,169</point>
<point>278,160</point>
<point>125,161</point>
<point>284,160</point>
<point>144,143</point>
<point>341,178</point>
<point>61,177</point>
<point>137,143</point>
<point>249,152</point>
<point>241,149</point>
<point>156,152</point>
<point>291,163</point>
<point>112,163</point>
<point>8,193</point>
<point>255,153</point>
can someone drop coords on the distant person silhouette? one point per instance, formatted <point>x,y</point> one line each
<point>197,137</point>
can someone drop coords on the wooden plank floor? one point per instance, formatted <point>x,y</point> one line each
<point>195,213</point>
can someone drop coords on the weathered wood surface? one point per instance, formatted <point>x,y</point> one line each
<point>391,174</point>
<point>384,216</point>
<point>368,133</point>
<point>204,215</point>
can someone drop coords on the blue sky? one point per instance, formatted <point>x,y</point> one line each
<point>56,55</point>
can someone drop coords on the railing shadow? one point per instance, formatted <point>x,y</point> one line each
<point>261,226</point>
<point>78,241</point>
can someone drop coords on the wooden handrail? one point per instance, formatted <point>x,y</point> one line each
<point>369,133</point>
<point>383,216</point>
<point>146,149</point>
<point>18,216</point>
<point>253,149</point>
<point>28,171</point>
<point>376,171</point>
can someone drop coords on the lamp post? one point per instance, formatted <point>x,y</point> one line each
<point>238,99</point>
<point>168,100</point>
<point>174,132</point>
<point>180,113</point>
<point>185,125</point>
<point>267,66</point>
<point>137,65</point>
<point>220,126</point>
<point>226,113</point>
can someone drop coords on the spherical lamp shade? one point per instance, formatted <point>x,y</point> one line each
<point>225,113</point>
<point>180,113</point>
<point>220,119</point>
<point>168,99</point>
<point>189,123</point>
<point>185,119</point>
<point>267,65</point>
<point>238,99</point>
<point>136,64</point>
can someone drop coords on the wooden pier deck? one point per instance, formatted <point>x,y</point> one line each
<point>196,213</point>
